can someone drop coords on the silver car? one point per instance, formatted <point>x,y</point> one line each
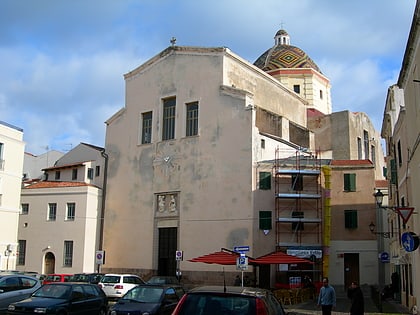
<point>16,287</point>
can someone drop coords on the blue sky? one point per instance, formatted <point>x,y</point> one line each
<point>62,61</point>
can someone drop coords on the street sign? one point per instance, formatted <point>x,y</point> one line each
<point>100,257</point>
<point>241,249</point>
<point>410,241</point>
<point>242,263</point>
<point>178,255</point>
<point>405,213</point>
<point>384,257</point>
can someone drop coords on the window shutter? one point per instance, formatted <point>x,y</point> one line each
<point>265,180</point>
<point>393,172</point>
<point>349,182</point>
<point>265,220</point>
<point>350,219</point>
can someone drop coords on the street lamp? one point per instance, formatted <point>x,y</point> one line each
<point>379,197</point>
<point>383,234</point>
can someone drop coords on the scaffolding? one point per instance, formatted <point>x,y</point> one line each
<point>298,206</point>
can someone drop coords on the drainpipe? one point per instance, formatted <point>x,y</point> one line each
<point>102,214</point>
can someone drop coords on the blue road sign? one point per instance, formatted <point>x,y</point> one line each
<point>241,249</point>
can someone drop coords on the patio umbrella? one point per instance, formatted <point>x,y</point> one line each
<point>220,257</point>
<point>280,258</point>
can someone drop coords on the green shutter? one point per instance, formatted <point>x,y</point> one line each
<point>265,180</point>
<point>265,220</point>
<point>350,219</point>
<point>349,182</point>
<point>393,172</point>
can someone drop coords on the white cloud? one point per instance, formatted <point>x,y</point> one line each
<point>63,61</point>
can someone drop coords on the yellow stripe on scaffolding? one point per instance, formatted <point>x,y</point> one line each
<point>327,221</point>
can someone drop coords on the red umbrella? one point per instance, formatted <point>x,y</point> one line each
<point>280,258</point>
<point>220,257</point>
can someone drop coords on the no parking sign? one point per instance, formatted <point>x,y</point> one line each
<point>100,257</point>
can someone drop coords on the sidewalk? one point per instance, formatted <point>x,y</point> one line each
<point>343,305</point>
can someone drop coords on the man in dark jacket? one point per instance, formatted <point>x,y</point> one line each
<point>355,294</point>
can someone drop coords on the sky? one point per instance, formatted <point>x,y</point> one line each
<point>62,61</point>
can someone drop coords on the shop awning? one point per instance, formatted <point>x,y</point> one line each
<point>280,258</point>
<point>222,257</point>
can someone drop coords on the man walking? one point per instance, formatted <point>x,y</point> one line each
<point>327,298</point>
<point>355,294</point>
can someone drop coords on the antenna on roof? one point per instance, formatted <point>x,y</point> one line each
<point>173,41</point>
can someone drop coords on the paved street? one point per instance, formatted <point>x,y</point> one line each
<point>343,305</point>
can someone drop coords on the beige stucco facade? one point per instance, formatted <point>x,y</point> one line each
<point>353,248</point>
<point>11,164</point>
<point>60,229</point>
<point>400,129</point>
<point>212,176</point>
<point>347,135</point>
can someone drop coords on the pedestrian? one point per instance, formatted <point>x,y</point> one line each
<point>326,298</point>
<point>355,294</point>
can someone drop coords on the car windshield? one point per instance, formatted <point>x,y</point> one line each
<point>111,279</point>
<point>162,280</point>
<point>53,291</point>
<point>80,278</point>
<point>218,304</point>
<point>144,294</point>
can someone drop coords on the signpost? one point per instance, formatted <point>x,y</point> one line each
<point>405,213</point>
<point>242,260</point>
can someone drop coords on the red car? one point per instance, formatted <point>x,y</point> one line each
<point>57,277</point>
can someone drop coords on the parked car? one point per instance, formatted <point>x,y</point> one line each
<point>116,285</point>
<point>148,299</point>
<point>63,298</point>
<point>163,280</point>
<point>56,277</point>
<point>210,300</point>
<point>16,287</point>
<point>87,277</point>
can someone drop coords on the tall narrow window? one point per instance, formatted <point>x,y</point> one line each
<point>90,173</point>
<point>97,170</point>
<point>25,208</point>
<point>296,88</point>
<point>168,128</point>
<point>366,144</point>
<point>265,180</point>
<point>52,211</point>
<point>373,154</point>
<point>265,220</point>
<point>321,96</point>
<point>146,128</point>
<point>359,148</point>
<point>399,153</point>
<point>350,219</point>
<point>68,254</point>
<point>1,156</point>
<point>22,252</point>
<point>192,119</point>
<point>71,211</point>
<point>349,182</point>
<point>74,174</point>
<point>57,175</point>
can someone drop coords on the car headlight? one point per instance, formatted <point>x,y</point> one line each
<point>11,307</point>
<point>40,310</point>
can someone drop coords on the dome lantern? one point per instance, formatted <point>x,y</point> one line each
<point>282,38</point>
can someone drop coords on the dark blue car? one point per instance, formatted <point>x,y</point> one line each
<point>150,299</point>
<point>63,298</point>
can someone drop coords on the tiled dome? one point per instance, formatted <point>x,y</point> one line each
<point>284,55</point>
